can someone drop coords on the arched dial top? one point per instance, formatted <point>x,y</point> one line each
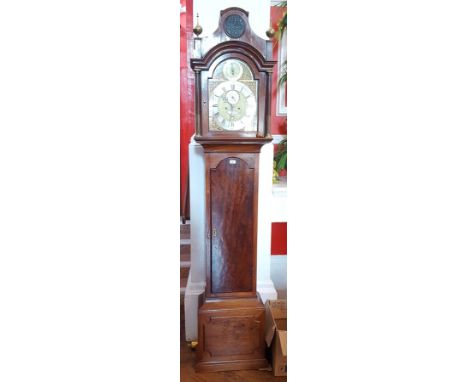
<point>233,97</point>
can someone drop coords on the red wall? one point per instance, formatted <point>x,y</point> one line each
<point>278,123</point>
<point>187,81</point>
<point>279,235</point>
<point>279,239</point>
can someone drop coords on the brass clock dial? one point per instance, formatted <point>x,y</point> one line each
<point>233,106</point>
<point>233,98</point>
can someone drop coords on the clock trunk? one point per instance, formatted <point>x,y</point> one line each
<point>232,204</point>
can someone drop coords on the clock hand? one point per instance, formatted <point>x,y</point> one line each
<point>231,115</point>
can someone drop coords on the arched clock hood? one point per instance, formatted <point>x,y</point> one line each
<point>233,39</point>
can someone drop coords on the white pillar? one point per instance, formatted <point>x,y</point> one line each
<point>265,286</point>
<point>197,276</point>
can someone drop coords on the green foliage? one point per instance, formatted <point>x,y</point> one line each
<point>281,156</point>
<point>275,173</point>
<point>283,24</point>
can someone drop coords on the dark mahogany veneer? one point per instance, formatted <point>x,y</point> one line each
<point>231,318</point>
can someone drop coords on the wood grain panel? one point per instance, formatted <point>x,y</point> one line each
<point>241,330</point>
<point>232,202</point>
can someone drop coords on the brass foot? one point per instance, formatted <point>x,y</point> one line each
<point>192,345</point>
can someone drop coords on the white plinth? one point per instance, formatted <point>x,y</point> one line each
<point>197,277</point>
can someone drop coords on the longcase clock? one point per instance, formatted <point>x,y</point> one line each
<point>233,69</point>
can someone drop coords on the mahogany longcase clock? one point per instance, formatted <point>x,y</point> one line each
<point>233,69</point>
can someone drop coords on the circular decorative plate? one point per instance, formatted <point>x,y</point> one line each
<point>234,26</point>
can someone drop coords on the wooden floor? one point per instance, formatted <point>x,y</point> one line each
<point>188,374</point>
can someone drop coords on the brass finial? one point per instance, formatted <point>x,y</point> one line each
<point>270,32</point>
<point>198,29</point>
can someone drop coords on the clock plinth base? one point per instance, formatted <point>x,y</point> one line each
<point>231,335</point>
